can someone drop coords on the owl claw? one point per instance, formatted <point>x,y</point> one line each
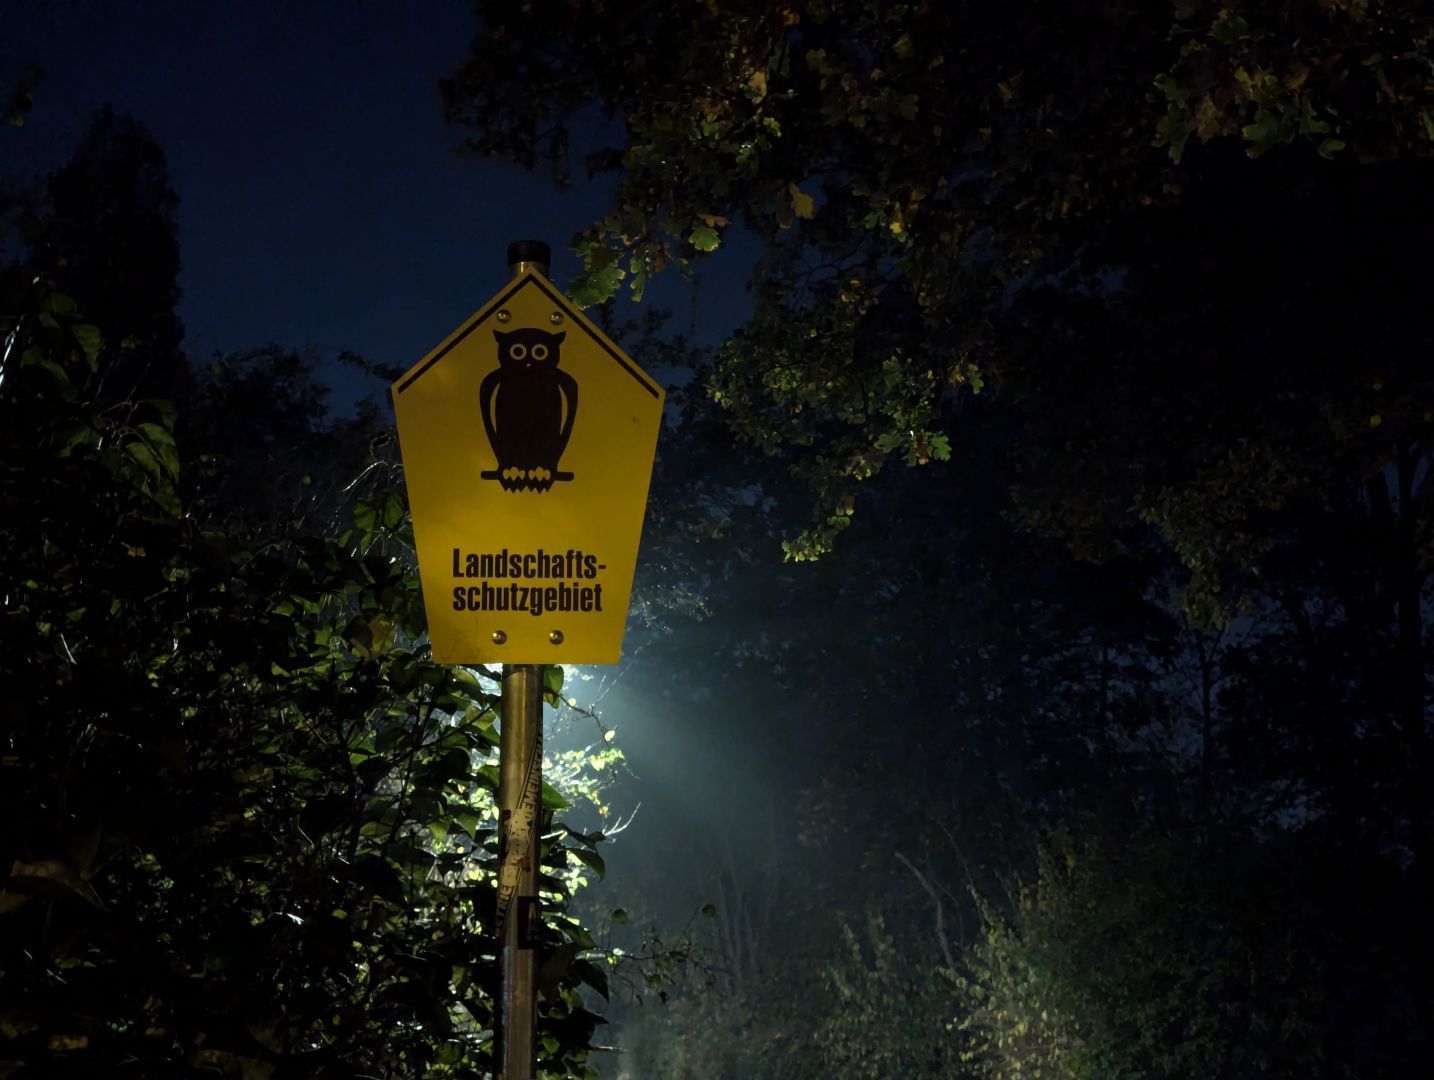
<point>536,478</point>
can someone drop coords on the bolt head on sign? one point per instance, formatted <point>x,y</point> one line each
<point>527,440</point>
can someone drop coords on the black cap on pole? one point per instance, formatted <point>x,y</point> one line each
<point>531,251</point>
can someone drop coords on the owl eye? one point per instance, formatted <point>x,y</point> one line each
<point>518,352</point>
<point>540,353</point>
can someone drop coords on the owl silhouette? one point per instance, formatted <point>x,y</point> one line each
<point>528,408</point>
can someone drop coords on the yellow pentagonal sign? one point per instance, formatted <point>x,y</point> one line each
<point>527,440</point>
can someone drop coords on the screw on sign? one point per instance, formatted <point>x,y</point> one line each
<point>527,512</point>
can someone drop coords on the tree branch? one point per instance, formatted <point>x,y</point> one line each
<point>940,911</point>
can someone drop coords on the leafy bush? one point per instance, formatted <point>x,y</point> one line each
<point>248,825</point>
<point>1139,960</point>
<point>890,1009</point>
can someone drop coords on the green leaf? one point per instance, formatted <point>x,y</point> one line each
<point>552,799</point>
<point>577,933</point>
<point>50,877</point>
<point>392,510</point>
<point>89,340</point>
<point>371,635</point>
<point>704,238</point>
<point>366,517</point>
<point>593,976</point>
<point>803,205</point>
<point>161,442</point>
<point>595,287</point>
<point>75,435</point>
<point>468,821</point>
<point>407,854</point>
<point>591,859</point>
<point>553,683</point>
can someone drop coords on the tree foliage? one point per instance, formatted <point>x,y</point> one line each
<point>913,166</point>
<point>1141,960</point>
<point>995,672</point>
<point>248,826</point>
<point>102,229</point>
<point>1164,581</point>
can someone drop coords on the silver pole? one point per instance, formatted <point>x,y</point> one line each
<point>520,799</point>
<point>520,782</point>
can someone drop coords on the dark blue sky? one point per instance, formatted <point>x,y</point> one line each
<point>321,202</point>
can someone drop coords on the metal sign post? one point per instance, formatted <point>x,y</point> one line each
<point>520,798</point>
<point>520,801</point>
<point>528,438</point>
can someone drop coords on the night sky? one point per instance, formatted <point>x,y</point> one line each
<point>320,199</point>
<point>321,204</point>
